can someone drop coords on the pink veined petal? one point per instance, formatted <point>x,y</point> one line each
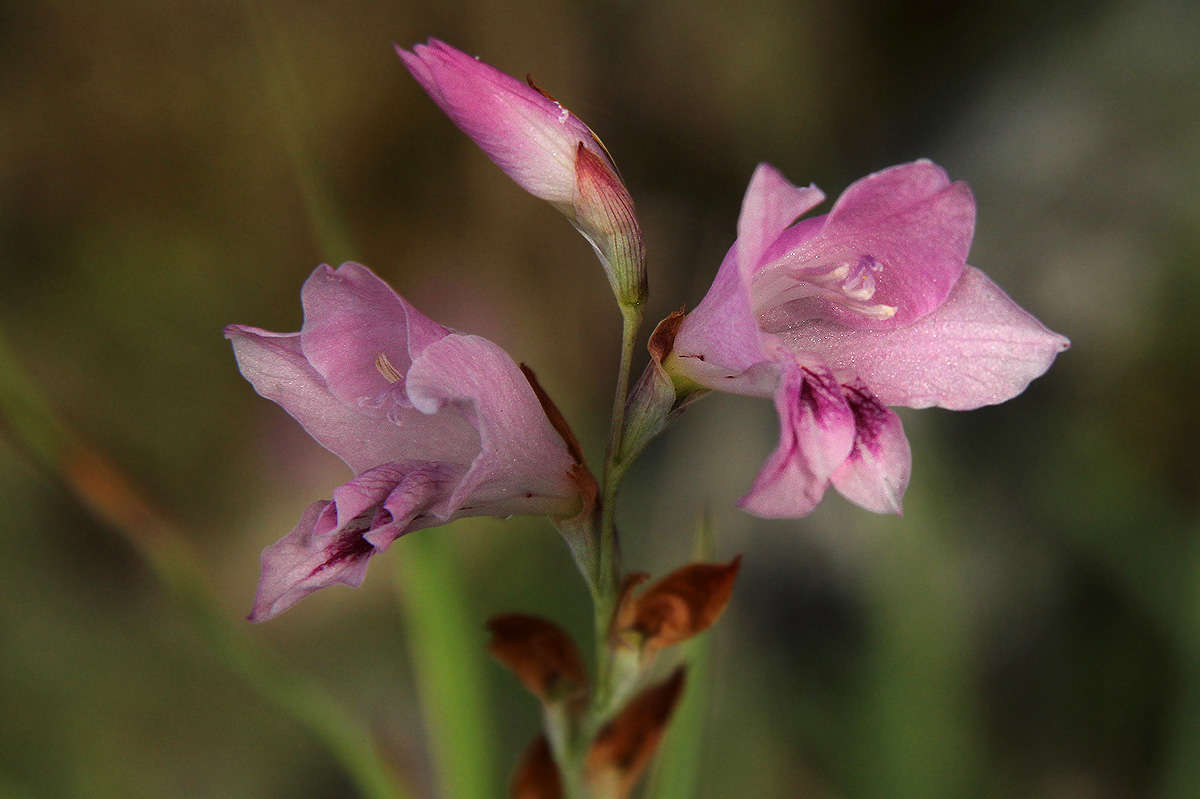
<point>771,204</point>
<point>719,341</point>
<point>875,474</point>
<point>528,135</point>
<point>308,558</point>
<point>901,236</point>
<point>979,348</point>
<point>351,320</point>
<point>719,344</point>
<point>816,434</point>
<point>274,365</point>
<point>332,544</point>
<point>410,505</point>
<point>523,465</point>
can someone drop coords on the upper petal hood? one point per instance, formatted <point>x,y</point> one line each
<point>888,253</point>
<point>330,376</point>
<point>278,370</point>
<point>352,319</point>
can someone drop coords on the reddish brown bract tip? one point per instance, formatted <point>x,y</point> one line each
<point>543,657</point>
<point>623,748</point>
<point>662,340</point>
<point>684,603</point>
<point>554,414</point>
<point>536,776</point>
<point>539,89</point>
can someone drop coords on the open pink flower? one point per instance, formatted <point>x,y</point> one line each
<point>545,148</point>
<point>435,424</point>
<point>839,316</point>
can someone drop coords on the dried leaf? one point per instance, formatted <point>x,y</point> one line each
<point>543,657</point>
<point>536,775</point>
<point>623,748</point>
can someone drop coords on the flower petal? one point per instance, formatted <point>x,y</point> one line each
<point>816,435</point>
<point>875,475</point>
<point>307,559</point>
<point>274,365</point>
<point>917,224</point>
<point>771,204</point>
<point>979,348</point>
<point>352,319</point>
<point>334,540</point>
<point>719,341</point>
<point>896,240</point>
<point>523,465</point>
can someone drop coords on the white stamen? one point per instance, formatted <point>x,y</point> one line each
<point>849,283</point>
<point>876,311</point>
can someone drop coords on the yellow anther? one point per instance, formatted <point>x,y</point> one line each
<point>386,369</point>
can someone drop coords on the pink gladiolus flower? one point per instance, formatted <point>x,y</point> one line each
<point>545,148</point>
<point>839,316</point>
<point>435,424</point>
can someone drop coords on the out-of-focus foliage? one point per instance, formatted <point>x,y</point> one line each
<point>1031,627</point>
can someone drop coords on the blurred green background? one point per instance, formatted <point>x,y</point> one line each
<point>1030,627</point>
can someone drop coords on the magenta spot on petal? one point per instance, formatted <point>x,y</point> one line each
<point>813,392</point>
<point>345,549</point>
<point>869,415</point>
<point>806,396</point>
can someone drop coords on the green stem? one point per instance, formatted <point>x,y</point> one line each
<point>101,488</point>
<point>609,567</point>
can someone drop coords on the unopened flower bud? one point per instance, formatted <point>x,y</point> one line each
<point>545,148</point>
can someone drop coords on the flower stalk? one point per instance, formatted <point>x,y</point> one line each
<point>609,575</point>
